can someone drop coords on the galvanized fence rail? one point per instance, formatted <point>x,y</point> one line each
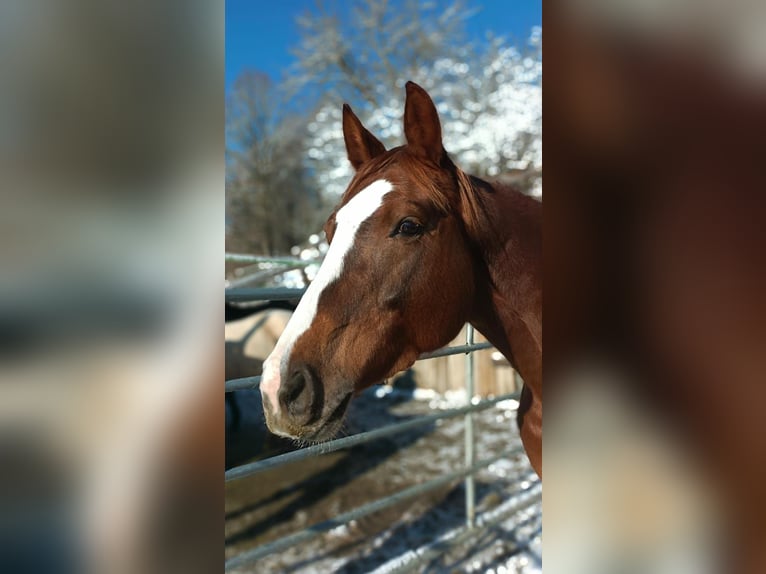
<point>261,268</point>
<point>467,473</point>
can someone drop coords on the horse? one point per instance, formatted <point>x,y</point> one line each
<point>417,248</point>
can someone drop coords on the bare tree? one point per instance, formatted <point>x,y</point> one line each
<point>360,51</point>
<point>271,202</point>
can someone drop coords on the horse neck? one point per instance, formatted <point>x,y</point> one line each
<point>507,231</point>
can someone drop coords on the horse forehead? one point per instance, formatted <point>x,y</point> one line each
<point>362,205</point>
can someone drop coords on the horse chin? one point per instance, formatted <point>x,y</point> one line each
<point>323,434</point>
<point>329,427</point>
<point>320,431</point>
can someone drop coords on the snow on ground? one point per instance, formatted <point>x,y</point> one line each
<point>508,538</point>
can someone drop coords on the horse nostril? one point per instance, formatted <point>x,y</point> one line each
<point>298,395</point>
<point>295,386</point>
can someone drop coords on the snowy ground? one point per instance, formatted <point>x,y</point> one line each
<point>279,502</point>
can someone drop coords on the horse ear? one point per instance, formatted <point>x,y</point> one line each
<point>421,123</point>
<point>361,145</point>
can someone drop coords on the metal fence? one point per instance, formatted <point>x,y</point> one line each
<point>471,467</point>
<point>263,268</point>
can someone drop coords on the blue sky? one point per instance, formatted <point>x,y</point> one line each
<point>260,33</point>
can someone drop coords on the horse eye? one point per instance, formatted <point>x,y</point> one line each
<point>409,228</point>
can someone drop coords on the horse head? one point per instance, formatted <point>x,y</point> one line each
<point>397,280</point>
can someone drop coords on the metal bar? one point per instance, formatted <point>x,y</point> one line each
<point>470,456</point>
<point>375,506</point>
<point>253,382</point>
<point>252,468</point>
<point>264,294</point>
<point>247,269</point>
<point>456,350</point>
<point>413,559</point>
<point>245,258</point>
<point>260,275</point>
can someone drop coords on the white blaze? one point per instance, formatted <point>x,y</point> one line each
<point>348,220</point>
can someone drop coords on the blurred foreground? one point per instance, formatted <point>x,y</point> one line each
<point>655,444</point>
<point>111,408</point>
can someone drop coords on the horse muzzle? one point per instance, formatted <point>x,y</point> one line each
<point>304,411</point>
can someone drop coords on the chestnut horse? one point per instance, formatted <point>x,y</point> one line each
<point>417,249</point>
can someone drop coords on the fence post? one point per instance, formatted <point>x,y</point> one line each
<point>470,455</point>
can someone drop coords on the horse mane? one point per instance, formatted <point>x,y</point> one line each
<point>495,209</point>
<point>474,202</point>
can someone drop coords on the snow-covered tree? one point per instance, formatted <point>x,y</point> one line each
<point>271,200</point>
<point>491,111</point>
<point>357,51</point>
<point>489,97</point>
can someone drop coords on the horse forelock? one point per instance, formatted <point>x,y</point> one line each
<point>444,186</point>
<point>407,171</point>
